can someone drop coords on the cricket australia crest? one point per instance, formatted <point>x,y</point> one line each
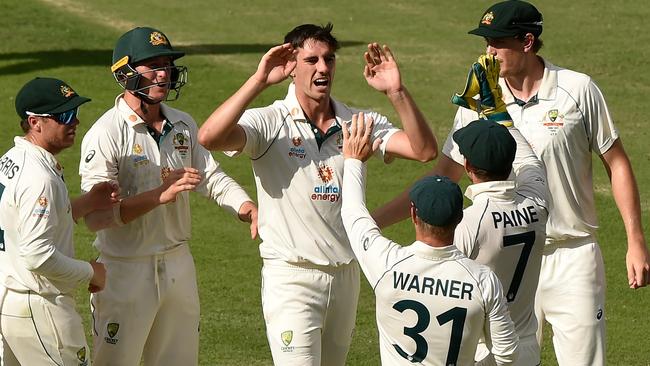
<point>287,337</point>
<point>81,356</point>
<point>111,330</point>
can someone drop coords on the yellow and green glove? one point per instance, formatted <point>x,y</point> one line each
<point>483,79</point>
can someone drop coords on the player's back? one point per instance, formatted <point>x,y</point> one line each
<point>433,305</point>
<point>505,230</point>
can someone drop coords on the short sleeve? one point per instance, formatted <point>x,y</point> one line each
<point>450,148</point>
<point>603,131</point>
<point>99,161</point>
<point>261,126</point>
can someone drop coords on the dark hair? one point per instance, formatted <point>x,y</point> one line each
<point>301,33</point>
<point>25,125</point>
<point>487,176</point>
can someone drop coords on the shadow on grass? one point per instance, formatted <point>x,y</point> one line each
<point>25,62</point>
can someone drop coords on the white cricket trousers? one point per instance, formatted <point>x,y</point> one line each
<point>149,310</point>
<point>571,297</point>
<point>42,330</point>
<point>309,312</point>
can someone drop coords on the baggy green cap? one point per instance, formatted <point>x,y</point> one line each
<point>140,44</point>
<point>47,96</point>
<point>508,19</point>
<point>438,200</point>
<point>487,145</point>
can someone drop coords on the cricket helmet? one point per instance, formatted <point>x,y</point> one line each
<point>141,44</point>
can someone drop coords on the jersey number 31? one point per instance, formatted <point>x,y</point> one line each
<point>455,315</point>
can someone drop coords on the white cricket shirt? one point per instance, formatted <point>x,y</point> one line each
<point>35,221</point>
<point>299,182</point>
<point>432,304</point>
<point>120,148</point>
<point>505,229</point>
<point>564,123</point>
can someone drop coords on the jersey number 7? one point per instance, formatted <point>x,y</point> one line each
<point>455,315</point>
<point>527,239</point>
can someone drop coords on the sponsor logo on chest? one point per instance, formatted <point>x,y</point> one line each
<point>181,144</point>
<point>328,190</point>
<point>297,150</point>
<point>139,158</point>
<point>553,121</point>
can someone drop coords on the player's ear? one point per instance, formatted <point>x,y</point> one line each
<point>414,215</point>
<point>34,123</point>
<point>529,41</point>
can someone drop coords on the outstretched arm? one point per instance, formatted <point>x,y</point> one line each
<point>102,196</point>
<point>416,142</point>
<point>626,195</point>
<point>220,130</point>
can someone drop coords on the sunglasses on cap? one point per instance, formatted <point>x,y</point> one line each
<point>64,118</point>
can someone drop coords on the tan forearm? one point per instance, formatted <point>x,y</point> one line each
<point>219,131</point>
<point>421,138</point>
<point>133,207</point>
<point>626,195</point>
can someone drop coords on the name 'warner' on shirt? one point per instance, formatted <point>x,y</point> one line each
<point>432,286</point>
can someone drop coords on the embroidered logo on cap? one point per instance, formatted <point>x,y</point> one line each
<point>487,18</point>
<point>157,38</point>
<point>67,91</point>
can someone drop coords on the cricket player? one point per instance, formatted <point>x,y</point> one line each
<point>38,272</point>
<point>150,307</point>
<point>563,114</point>
<point>432,302</point>
<point>310,278</point>
<point>505,227</point>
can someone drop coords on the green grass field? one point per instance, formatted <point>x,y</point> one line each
<point>73,40</point>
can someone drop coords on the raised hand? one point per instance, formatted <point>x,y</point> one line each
<point>276,64</point>
<point>381,70</point>
<point>357,138</point>
<point>483,79</point>
<point>179,180</point>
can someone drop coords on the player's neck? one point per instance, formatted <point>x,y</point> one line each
<point>433,240</point>
<point>37,140</point>
<point>525,84</point>
<point>319,112</point>
<point>150,113</point>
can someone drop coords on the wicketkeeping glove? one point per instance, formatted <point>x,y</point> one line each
<point>483,79</point>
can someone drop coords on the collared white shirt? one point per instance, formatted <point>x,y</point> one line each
<point>119,147</point>
<point>505,229</point>
<point>433,304</point>
<point>299,182</point>
<point>564,123</point>
<point>35,221</point>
